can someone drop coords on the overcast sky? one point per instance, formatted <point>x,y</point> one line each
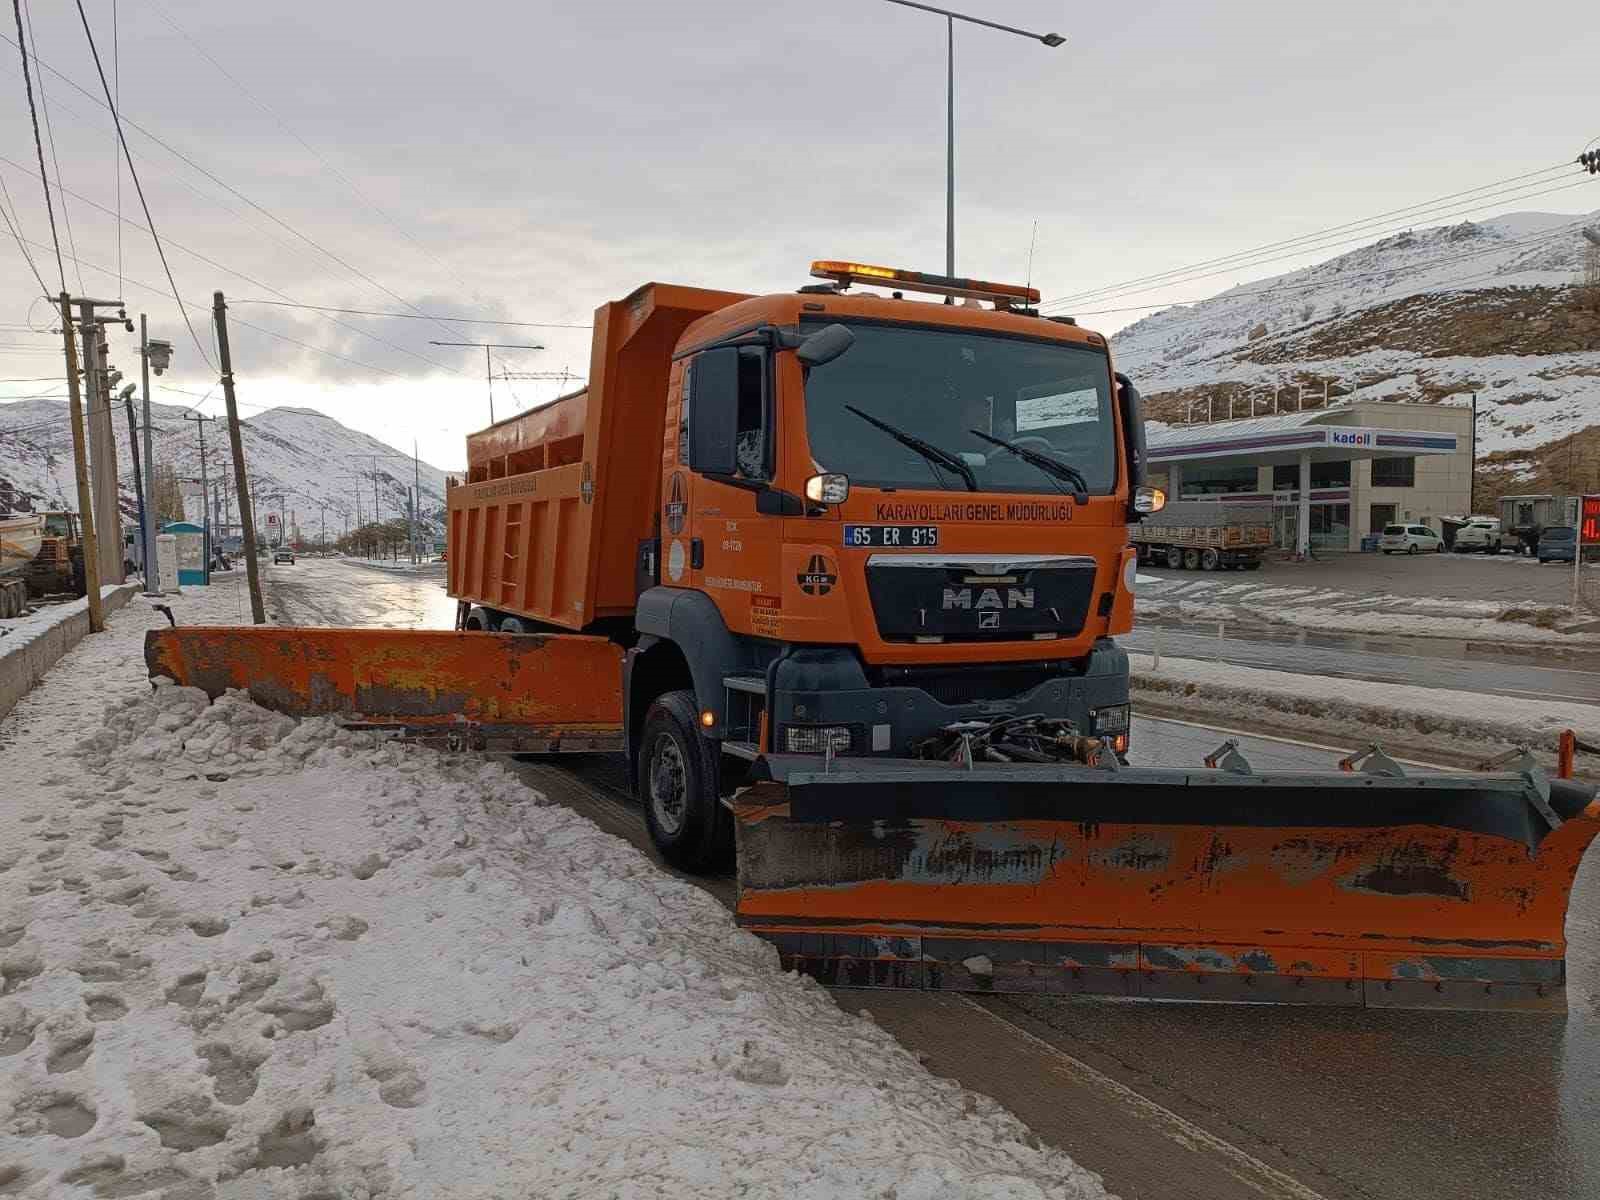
<point>530,160</point>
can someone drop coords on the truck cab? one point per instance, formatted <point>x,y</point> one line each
<point>853,521</point>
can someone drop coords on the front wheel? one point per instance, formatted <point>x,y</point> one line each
<point>678,772</point>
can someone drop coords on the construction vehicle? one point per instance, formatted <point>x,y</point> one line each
<point>57,568</point>
<point>1202,535</point>
<point>841,574</point>
<point>20,534</point>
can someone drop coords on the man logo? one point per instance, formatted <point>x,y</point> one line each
<point>676,508</point>
<point>819,576</point>
<point>987,598</point>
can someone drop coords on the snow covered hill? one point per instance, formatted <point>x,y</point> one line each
<point>308,457</point>
<point>1488,308</point>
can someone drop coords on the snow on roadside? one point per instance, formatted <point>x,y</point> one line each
<point>1324,703</point>
<point>248,957</point>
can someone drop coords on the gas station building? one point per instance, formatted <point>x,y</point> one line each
<point>1327,477</point>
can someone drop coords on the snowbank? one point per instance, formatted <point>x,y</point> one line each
<point>248,957</point>
<point>32,644</point>
<point>1333,706</point>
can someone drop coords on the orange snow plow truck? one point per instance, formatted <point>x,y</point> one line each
<point>841,572</point>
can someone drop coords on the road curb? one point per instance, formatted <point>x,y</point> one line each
<point>36,645</point>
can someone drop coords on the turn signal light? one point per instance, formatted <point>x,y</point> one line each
<point>1149,500</point>
<point>708,718</point>
<point>920,281</point>
<point>828,489</point>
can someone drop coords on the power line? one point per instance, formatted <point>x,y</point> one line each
<point>50,135</point>
<point>310,149</point>
<point>367,312</point>
<point>1260,257</point>
<point>176,245</point>
<point>1316,234</point>
<point>137,186</point>
<point>27,85</point>
<point>1364,238</point>
<point>17,233</point>
<point>128,122</point>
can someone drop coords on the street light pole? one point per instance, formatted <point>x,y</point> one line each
<point>950,18</point>
<point>488,371</point>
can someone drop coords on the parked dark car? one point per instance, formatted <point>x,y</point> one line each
<point>1559,543</point>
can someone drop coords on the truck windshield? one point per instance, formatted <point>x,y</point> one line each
<point>939,385</point>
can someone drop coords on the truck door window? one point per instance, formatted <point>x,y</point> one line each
<point>753,442</point>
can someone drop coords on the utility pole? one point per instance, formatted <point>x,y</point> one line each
<point>153,355</point>
<point>138,482</point>
<point>416,498</point>
<point>80,470</point>
<point>200,420</point>
<point>219,313</point>
<point>488,371</point>
<point>1472,487</point>
<point>102,442</point>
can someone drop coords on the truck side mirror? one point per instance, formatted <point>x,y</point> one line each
<point>825,345</point>
<point>714,411</point>
<point>1133,426</point>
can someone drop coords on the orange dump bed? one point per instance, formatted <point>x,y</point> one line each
<point>557,499</point>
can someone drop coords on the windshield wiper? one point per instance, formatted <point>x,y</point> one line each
<point>1053,467</point>
<point>927,449</point>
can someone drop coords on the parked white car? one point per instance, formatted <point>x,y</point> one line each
<point>1412,539</point>
<point>1480,533</point>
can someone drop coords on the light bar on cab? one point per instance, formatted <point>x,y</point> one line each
<point>1002,294</point>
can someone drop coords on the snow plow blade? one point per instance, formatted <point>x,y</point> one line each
<point>528,693</point>
<point>1415,890</point>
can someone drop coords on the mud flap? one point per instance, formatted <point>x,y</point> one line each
<point>1428,890</point>
<point>528,693</point>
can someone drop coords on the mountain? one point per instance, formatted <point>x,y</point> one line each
<point>308,457</point>
<point>1497,308</point>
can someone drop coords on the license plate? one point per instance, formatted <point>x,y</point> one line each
<point>891,536</point>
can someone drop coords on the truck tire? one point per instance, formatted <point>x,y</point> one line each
<point>1174,557</point>
<point>1191,559</point>
<point>1210,559</point>
<point>477,621</point>
<point>512,625</point>
<point>678,772</point>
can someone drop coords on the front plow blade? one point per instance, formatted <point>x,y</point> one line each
<point>1432,890</point>
<point>502,692</point>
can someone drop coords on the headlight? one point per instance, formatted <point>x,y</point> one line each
<point>816,739</point>
<point>1109,721</point>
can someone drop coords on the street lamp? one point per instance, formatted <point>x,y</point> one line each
<point>950,18</point>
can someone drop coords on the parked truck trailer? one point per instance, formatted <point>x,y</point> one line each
<point>1203,535</point>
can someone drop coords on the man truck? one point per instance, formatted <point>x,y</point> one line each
<point>841,573</point>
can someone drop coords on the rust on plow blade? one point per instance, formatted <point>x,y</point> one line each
<point>1430,890</point>
<point>486,691</point>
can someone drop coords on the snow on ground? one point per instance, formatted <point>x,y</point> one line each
<point>1333,705</point>
<point>1218,598</point>
<point>245,957</point>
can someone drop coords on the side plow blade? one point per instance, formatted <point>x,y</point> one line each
<point>485,691</point>
<point>1425,890</point>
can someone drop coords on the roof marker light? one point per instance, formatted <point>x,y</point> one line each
<point>1003,295</point>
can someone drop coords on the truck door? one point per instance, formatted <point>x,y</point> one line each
<point>727,441</point>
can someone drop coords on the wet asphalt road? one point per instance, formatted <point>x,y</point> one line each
<point>1171,1100</point>
<point>1522,671</point>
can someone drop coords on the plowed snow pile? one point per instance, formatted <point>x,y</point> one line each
<point>242,956</point>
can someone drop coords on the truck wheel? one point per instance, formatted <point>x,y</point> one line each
<point>1174,557</point>
<point>1191,559</point>
<point>678,774</point>
<point>477,621</point>
<point>1209,559</point>
<point>512,625</point>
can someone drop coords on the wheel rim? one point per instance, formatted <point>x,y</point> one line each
<point>668,781</point>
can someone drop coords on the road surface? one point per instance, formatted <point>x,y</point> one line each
<point>1422,662</point>
<point>1175,1100</point>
